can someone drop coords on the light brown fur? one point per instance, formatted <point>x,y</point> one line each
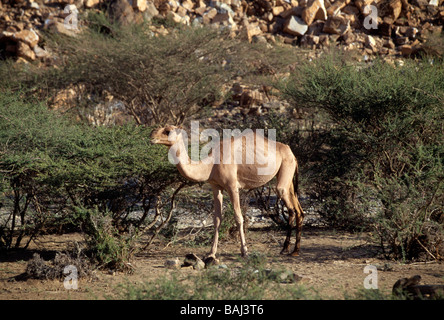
<point>232,177</point>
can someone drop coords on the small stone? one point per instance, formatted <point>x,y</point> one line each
<point>172,264</point>
<point>90,3</point>
<point>192,260</point>
<point>34,5</point>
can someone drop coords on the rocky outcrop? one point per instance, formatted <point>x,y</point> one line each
<point>384,27</point>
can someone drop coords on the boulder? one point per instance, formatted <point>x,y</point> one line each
<point>201,10</point>
<point>407,50</point>
<point>220,18</point>
<point>336,25</point>
<point>25,52</point>
<point>40,53</point>
<point>395,8</point>
<point>60,27</point>
<point>151,11</point>
<point>140,5</point>
<point>314,11</point>
<point>370,43</point>
<point>295,26</point>
<point>27,36</point>
<point>251,29</point>
<point>174,17</point>
<point>211,13</point>
<point>294,11</point>
<point>277,10</point>
<point>188,4</point>
<point>181,11</point>
<point>122,12</point>
<point>336,7</point>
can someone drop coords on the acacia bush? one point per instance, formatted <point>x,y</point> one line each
<point>381,163</point>
<point>56,173</point>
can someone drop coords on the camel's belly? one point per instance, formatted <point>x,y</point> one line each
<point>250,177</point>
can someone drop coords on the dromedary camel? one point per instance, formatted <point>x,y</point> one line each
<point>233,175</point>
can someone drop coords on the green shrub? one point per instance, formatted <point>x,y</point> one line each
<point>50,166</point>
<point>106,245</point>
<point>31,140</point>
<point>382,162</point>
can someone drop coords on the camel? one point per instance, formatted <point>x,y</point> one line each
<point>230,176</point>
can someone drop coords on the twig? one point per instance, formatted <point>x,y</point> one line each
<point>427,250</point>
<point>170,213</point>
<point>190,234</point>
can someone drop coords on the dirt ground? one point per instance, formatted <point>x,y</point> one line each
<point>331,263</point>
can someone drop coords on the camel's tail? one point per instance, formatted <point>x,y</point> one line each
<point>295,190</point>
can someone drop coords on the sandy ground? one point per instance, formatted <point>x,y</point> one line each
<point>331,263</point>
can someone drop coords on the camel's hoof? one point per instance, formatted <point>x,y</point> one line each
<point>284,251</point>
<point>211,261</point>
<point>294,254</point>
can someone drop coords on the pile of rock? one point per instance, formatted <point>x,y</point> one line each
<point>372,26</point>
<point>22,20</point>
<point>22,43</point>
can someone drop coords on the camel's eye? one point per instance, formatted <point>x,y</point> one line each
<point>167,132</point>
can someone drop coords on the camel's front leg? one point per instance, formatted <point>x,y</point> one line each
<point>217,218</point>
<point>234,196</point>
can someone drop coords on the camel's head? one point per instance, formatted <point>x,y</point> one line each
<point>167,135</point>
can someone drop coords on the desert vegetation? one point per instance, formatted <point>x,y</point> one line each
<point>75,152</point>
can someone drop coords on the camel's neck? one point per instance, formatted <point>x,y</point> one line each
<point>198,171</point>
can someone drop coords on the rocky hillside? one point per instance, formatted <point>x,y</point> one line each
<point>384,27</point>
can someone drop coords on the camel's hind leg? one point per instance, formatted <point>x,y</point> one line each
<point>299,220</point>
<point>286,192</point>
